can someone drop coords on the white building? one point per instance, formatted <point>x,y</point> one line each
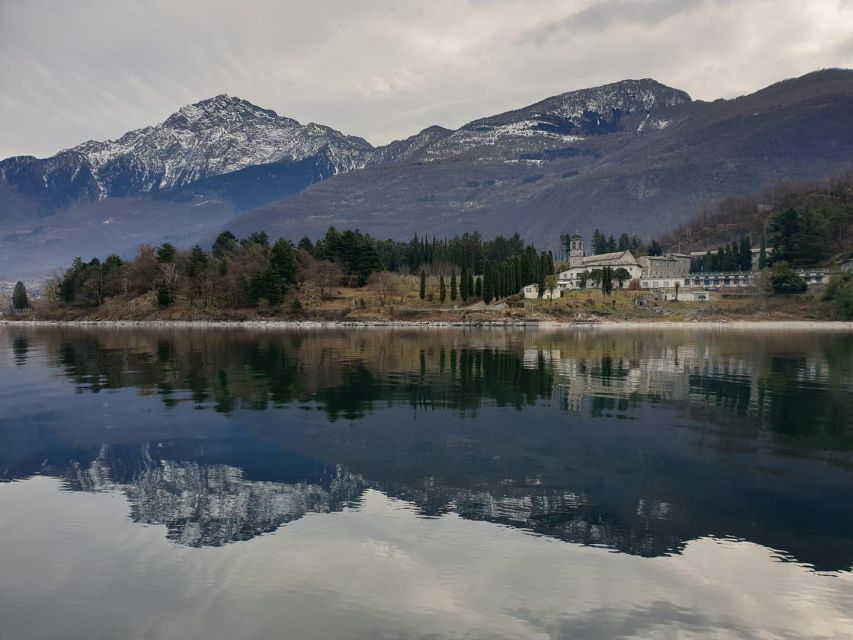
<point>579,263</point>
<point>672,265</point>
<point>531,292</point>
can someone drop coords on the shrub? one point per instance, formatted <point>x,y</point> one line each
<point>839,290</point>
<point>784,279</point>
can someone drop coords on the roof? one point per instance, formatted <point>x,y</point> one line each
<point>618,257</point>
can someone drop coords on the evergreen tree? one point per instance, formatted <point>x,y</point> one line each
<point>463,285</point>
<point>488,283</point>
<point>745,253</point>
<point>224,243</point>
<point>786,229</point>
<point>606,281</point>
<point>453,286</point>
<point>762,253</point>
<point>471,290</point>
<point>259,238</point>
<point>611,244</point>
<point>624,243</point>
<point>542,274</point>
<point>283,264</point>
<point>166,253</point>
<point>165,294</point>
<point>478,287</point>
<point>442,288</point>
<point>20,300</point>
<point>423,285</point>
<point>307,246</point>
<point>599,242</point>
<point>197,262</point>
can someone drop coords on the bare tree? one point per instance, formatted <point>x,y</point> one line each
<point>385,285</point>
<point>325,275</point>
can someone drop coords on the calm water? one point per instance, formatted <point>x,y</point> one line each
<point>424,484</point>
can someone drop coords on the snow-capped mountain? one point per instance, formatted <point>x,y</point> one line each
<point>634,156</point>
<point>213,137</point>
<point>566,118</point>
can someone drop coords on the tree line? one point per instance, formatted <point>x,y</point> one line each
<point>803,224</point>
<point>735,256</point>
<point>255,272</point>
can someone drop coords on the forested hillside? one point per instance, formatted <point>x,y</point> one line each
<point>803,223</point>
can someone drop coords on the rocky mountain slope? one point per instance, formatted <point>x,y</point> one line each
<point>209,138</point>
<point>634,157</point>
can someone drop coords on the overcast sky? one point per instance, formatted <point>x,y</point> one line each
<point>75,70</point>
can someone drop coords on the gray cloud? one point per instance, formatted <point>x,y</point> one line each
<point>81,69</point>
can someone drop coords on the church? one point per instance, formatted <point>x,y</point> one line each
<point>579,263</point>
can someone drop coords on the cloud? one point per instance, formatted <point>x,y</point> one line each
<point>84,69</point>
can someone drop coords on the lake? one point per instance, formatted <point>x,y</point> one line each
<point>425,483</point>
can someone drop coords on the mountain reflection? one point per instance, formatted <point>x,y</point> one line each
<point>635,442</point>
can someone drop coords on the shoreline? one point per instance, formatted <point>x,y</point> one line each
<point>743,325</point>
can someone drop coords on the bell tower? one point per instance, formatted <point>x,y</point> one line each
<point>575,251</point>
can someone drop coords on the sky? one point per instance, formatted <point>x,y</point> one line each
<point>75,70</point>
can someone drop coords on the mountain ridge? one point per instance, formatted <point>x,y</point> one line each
<point>636,156</point>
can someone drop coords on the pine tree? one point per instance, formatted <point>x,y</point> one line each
<point>442,289</point>
<point>166,253</point>
<point>20,300</point>
<point>453,286</point>
<point>307,246</point>
<point>423,285</point>
<point>283,264</point>
<point>197,262</point>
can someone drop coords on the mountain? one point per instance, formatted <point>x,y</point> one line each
<point>209,138</point>
<point>175,181</point>
<point>634,156</point>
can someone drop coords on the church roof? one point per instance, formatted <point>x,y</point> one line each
<point>607,259</point>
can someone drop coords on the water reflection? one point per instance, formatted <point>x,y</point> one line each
<point>635,442</point>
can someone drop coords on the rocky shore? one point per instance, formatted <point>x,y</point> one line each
<point>750,325</point>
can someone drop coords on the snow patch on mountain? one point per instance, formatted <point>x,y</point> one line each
<point>212,137</point>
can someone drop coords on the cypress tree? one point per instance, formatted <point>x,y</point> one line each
<point>463,285</point>
<point>488,286</point>
<point>20,300</point>
<point>442,289</point>
<point>745,253</point>
<point>478,287</point>
<point>423,285</point>
<point>471,290</point>
<point>453,286</point>
<point>762,253</point>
